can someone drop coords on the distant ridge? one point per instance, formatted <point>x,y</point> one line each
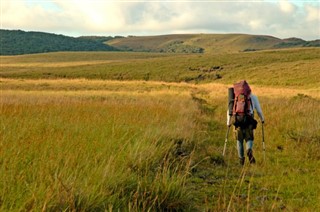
<point>16,42</point>
<point>198,43</point>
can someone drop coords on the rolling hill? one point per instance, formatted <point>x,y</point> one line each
<point>17,42</point>
<point>209,43</point>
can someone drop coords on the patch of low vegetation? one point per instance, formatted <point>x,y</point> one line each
<point>297,42</point>
<point>251,50</point>
<point>100,39</point>
<point>315,43</point>
<point>180,47</point>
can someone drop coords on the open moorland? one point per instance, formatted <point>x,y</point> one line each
<point>125,131</point>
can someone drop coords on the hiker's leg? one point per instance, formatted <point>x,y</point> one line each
<point>249,144</point>
<point>240,152</point>
<point>240,149</point>
<point>239,138</point>
<point>250,151</point>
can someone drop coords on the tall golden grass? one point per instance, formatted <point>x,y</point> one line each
<point>79,145</point>
<point>94,150</point>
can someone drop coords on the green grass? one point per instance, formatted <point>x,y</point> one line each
<point>294,67</point>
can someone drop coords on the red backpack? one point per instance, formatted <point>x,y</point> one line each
<point>242,103</point>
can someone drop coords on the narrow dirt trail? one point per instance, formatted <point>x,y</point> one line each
<point>275,183</point>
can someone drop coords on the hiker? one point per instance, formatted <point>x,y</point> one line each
<point>243,119</point>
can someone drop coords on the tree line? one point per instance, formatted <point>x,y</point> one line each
<point>16,42</point>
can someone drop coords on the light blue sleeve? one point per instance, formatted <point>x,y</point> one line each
<point>256,106</point>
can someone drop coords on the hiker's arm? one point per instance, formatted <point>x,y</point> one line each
<point>258,108</point>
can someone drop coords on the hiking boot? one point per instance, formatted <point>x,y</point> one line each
<point>241,160</point>
<point>250,156</point>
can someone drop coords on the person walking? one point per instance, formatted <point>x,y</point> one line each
<point>245,103</point>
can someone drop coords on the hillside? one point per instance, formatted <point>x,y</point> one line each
<point>209,43</point>
<point>162,43</point>
<point>16,42</point>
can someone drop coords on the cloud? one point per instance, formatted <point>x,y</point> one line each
<point>83,17</point>
<point>286,6</point>
<point>313,13</point>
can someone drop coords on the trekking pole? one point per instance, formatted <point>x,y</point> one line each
<point>263,145</point>
<point>225,142</point>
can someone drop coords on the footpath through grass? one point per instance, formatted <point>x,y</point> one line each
<point>286,180</point>
<point>109,145</point>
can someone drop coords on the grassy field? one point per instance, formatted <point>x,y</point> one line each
<point>94,149</point>
<point>294,67</point>
<point>76,142</point>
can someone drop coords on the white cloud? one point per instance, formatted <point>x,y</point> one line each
<point>96,17</point>
<point>313,13</point>
<point>286,6</point>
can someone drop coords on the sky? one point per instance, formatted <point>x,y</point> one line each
<point>279,18</point>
